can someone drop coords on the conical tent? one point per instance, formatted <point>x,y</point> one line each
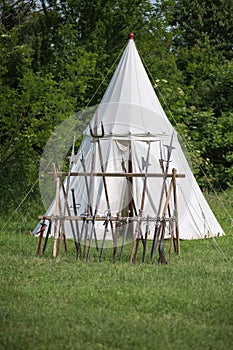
<point>130,134</point>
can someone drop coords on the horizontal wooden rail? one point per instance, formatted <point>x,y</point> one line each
<point>100,218</point>
<point>115,174</point>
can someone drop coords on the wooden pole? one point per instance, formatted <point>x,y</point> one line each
<point>163,227</point>
<point>91,210</point>
<point>114,238</point>
<point>57,203</point>
<point>128,174</point>
<point>47,236</point>
<point>42,230</point>
<point>171,239</point>
<point>138,232</point>
<point>176,211</point>
<point>145,241</point>
<point>104,237</point>
<point>124,236</point>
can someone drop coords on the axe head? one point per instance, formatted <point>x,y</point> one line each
<point>144,163</point>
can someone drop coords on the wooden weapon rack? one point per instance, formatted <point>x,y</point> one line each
<point>139,223</point>
<point>83,242</point>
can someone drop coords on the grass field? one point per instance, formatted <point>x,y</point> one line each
<point>59,303</point>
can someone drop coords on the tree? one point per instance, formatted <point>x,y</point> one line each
<point>202,44</point>
<point>204,23</point>
<point>36,94</point>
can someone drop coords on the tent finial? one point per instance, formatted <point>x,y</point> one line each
<point>131,35</point>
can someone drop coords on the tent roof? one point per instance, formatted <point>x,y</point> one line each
<point>130,105</point>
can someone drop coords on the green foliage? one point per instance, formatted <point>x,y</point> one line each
<point>203,23</point>
<point>203,48</point>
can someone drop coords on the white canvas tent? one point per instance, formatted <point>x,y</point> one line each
<point>137,136</point>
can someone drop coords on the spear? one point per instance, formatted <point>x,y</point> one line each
<point>47,236</point>
<point>57,203</point>
<point>145,240</point>
<point>91,235</point>
<point>88,193</point>
<point>161,243</point>
<point>104,236</point>
<point>136,233</point>
<point>78,247</point>
<point>66,192</point>
<point>117,229</point>
<point>83,228</point>
<point>124,236</point>
<point>96,137</point>
<point>41,232</point>
<point>142,203</point>
<point>155,238</point>
<point>158,223</point>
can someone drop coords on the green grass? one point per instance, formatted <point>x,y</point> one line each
<point>59,303</point>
